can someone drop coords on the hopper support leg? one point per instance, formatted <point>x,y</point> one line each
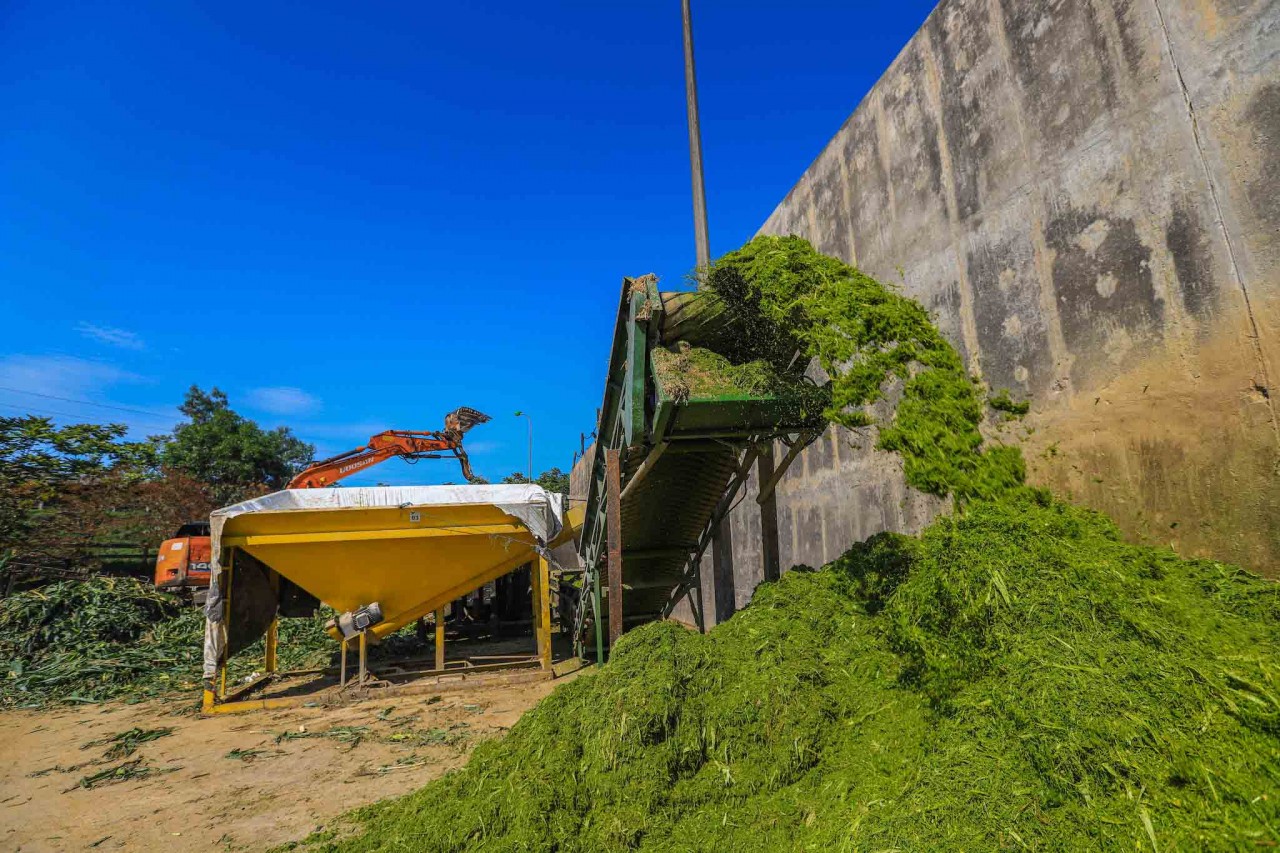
<point>542,611</point>
<point>768,514</point>
<point>440,638</point>
<point>272,644</point>
<point>364,653</point>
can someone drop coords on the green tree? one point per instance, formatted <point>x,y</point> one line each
<point>553,480</point>
<point>39,462</point>
<point>232,454</point>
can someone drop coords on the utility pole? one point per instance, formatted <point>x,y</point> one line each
<point>695,145</point>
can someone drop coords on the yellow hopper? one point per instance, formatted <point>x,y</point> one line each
<point>409,549</point>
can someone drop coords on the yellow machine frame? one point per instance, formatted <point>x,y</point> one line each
<point>221,701</point>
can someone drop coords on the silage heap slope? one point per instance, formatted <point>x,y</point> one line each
<point>1017,676</point>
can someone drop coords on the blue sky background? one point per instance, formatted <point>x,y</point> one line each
<point>353,217</point>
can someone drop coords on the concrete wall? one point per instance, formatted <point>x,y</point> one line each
<point>1086,195</point>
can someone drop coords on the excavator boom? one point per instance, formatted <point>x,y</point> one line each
<point>406,444</point>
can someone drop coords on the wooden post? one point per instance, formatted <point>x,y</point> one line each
<point>613,523</point>
<point>768,515</point>
<point>541,572</point>
<point>440,638</point>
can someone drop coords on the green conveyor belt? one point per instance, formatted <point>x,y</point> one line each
<point>678,453</point>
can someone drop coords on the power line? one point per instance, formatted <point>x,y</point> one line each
<point>31,410</point>
<point>85,402</point>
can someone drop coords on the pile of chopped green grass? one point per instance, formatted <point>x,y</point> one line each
<point>95,639</point>
<point>1016,677</point>
<point>786,298</point>
<point>105,638</point>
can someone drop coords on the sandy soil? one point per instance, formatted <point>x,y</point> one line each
<point>201,799</point>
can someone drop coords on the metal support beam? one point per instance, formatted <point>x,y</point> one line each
<point>646,467</point>
<point>272,644</point>
<point>768,516</point>
<point>801,442</point>
<point>723,582</point>
<point>596,607</point>
<point>440,638</point>
<point>659,553</point>
<point>364,658</point>
<point>613,512</point>
<point>541,572</point>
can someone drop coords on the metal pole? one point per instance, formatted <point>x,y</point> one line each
<point>695,144</point>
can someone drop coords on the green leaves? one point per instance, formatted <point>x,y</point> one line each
<point>232,454</point>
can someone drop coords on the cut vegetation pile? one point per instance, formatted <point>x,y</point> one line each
<point>1017,677</point>
<point>105,638</point>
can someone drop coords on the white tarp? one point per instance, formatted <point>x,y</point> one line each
<point>538,510</point>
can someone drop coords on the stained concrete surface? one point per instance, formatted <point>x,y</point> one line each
<point>1084,195</point>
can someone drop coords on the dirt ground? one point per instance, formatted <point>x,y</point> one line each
<point>295,769</point>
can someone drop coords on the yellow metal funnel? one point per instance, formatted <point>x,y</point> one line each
<point>410,549</point>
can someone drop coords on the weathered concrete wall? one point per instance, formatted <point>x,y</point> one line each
<point>1086,195</point>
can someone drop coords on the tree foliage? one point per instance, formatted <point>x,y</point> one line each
<point>40,462</point>
<point>66,489</point>
<point>233,455</point>
<point>553,480</point>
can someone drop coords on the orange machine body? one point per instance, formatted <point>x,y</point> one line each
<point>183,561</point>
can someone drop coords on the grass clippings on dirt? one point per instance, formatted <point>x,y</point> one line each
<point>126,743</point>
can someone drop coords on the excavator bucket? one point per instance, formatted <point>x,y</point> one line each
<point>464,418</point>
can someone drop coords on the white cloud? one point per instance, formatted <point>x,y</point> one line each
<point>284,401</point>
<point>112,336</point>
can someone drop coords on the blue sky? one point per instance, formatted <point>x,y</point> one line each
<point>353,217</point>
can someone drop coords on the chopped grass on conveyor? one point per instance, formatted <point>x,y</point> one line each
<point>1016,677</point>
<point>700,373</point>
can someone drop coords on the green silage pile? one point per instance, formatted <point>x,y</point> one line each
<point>1015,678</point>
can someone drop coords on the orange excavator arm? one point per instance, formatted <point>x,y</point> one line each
<point>406,444</point>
